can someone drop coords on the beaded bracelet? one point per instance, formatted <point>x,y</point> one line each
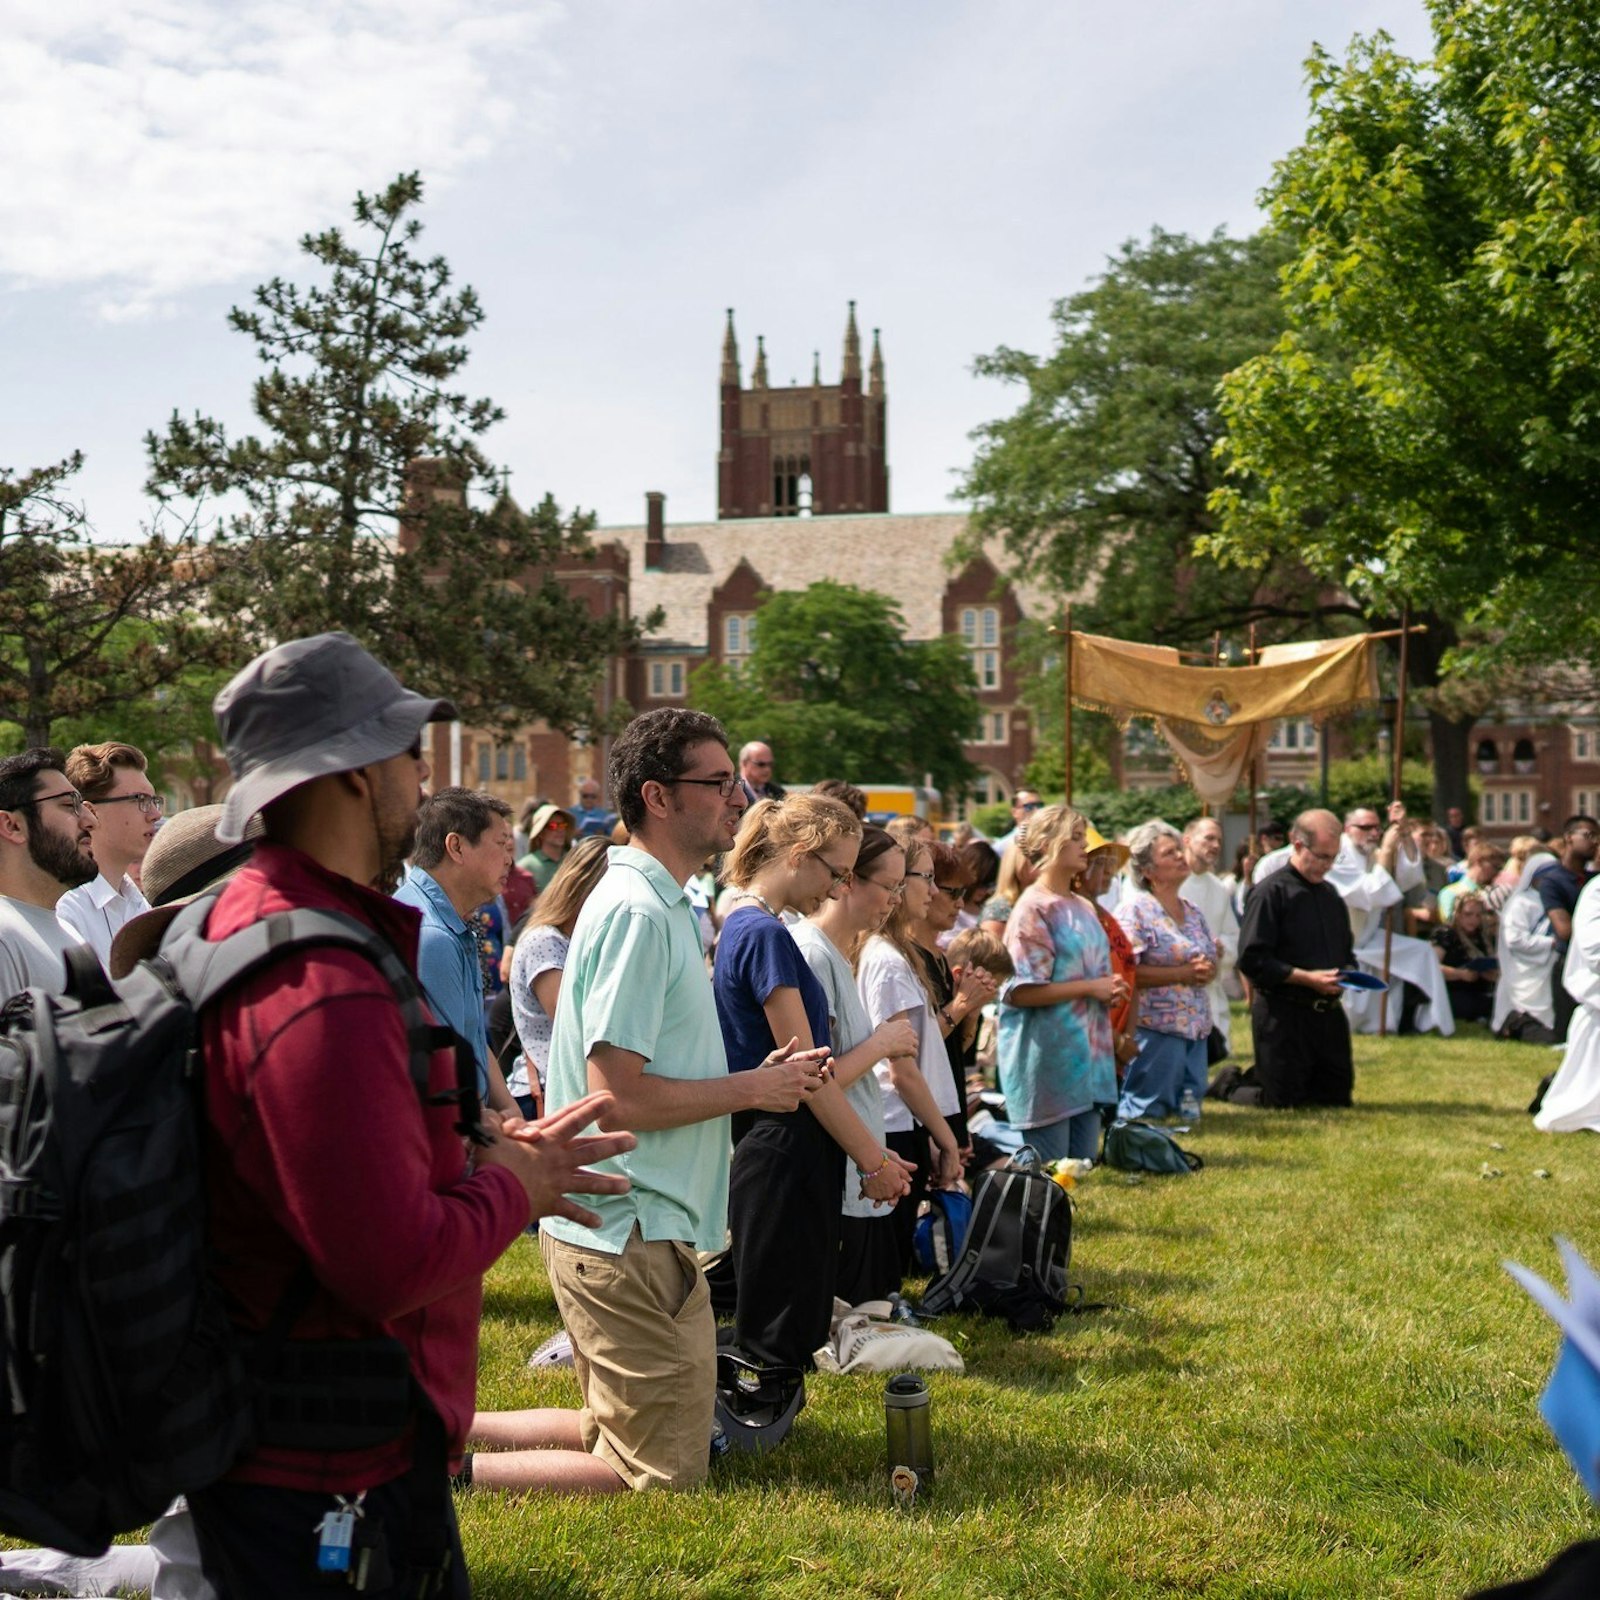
<point>867,1177</point>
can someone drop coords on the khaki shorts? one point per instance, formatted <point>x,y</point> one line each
<point>644,1342</point>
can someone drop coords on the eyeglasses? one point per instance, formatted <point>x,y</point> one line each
<point>75,801</point>
<point>1317,855</point>
<point>895,889</point>
<point>842,879</point>
<point>1028,805</point>
<point>724,786</point>
<point>150,805</point>
<point>954,890</point>
<point>927,877</point>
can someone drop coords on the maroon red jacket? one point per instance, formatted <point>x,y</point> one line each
<point>322,1151</point>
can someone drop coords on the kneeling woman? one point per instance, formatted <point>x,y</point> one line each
<point>788,1168</point>
<point>1056,1046</point>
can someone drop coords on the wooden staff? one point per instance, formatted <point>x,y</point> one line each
<point>1216,661</point>
<point>1255,760</point>
<point>1394,794</point>
<point>1067,663</point>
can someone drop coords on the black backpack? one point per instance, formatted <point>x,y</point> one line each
<point>124,1381</point>
<point>1014,1260</point>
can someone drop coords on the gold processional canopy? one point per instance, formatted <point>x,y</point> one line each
<point>1218,719</point>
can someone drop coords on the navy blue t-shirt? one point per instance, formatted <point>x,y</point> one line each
<point>1558,891</point>
<point>755,955</point>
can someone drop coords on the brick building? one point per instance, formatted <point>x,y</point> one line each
<point>803,492</point>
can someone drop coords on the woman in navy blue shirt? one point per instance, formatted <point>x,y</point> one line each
<point>788,1168</point>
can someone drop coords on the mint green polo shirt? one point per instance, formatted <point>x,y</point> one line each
<point>636,978</point>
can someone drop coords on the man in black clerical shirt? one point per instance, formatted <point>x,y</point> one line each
<point>1294,942</point>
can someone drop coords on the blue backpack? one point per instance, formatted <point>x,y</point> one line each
<point>942,1230</point>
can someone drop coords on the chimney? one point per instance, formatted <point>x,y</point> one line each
<point>427,481</point>
<point>655,530</point>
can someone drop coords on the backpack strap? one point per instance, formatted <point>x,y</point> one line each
<point>206,968</point>
<point>87,982</point>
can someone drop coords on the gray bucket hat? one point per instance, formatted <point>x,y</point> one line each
<point>306,709</point>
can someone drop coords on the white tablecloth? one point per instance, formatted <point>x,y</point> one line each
<point>1410,961</point>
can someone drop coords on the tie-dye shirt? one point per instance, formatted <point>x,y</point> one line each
<point>1055,1061</point>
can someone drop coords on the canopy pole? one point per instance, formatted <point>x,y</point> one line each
<point>1067,664</point>
<point>1216,661</point>
<point>1399,756</point>
<point>1255,760</point>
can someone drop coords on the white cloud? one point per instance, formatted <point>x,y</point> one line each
<point>168,144</point>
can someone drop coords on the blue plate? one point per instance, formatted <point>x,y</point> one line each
<point>1356,979</point>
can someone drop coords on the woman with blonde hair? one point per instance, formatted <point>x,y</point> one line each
<point>790,855</point>
<point>1016,873</point>
<point>921,1097</point>
<point>869,1262</point>
<point>1056,1062</point>
<point>538,962</point>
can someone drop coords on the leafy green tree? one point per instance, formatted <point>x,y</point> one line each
<point>93,634</point>
<point>1444,223</point>
<point>368,503</point>
<point>1100,482</point>
<point>838,691</point>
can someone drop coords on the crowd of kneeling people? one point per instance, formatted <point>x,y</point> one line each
<point>721,1019</point>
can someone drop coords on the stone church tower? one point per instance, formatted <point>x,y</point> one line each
<point>817,450</point>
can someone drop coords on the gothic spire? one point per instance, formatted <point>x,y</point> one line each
<point>730,354</point>
<point>758,378</point>
<point>875,371</point>
<point>852,348</point>
<point>816,369</point>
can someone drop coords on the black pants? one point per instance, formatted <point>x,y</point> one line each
<point>869,1257</point>
<point>915,1147</point>
<point>1562,1002</point>
<point>260,1543</point>
<point>1471,1002</point>
<point>783,1211</point>
<point>1302,1054</point>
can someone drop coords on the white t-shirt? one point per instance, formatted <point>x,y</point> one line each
<point>97,909</point>
<point>888,987</point>
<point>541,948</point>
<point>32,943</point>
<point>848,1026</point>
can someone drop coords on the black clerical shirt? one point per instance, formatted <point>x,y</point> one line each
<point>1291,923</point>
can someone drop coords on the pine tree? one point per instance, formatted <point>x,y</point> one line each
<point>367,501</point>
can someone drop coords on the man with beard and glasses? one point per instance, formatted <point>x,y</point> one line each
<point>334,1187</point>
<point>45,849</point>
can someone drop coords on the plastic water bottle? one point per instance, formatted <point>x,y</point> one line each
<point>1189,1107</point>
<point>910,1433</point>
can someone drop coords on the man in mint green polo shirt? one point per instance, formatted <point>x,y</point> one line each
<point>636,1017</point>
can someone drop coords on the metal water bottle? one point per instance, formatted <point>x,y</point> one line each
<point>906,1420</point>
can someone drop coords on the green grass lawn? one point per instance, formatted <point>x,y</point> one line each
<point>1318,1382</point>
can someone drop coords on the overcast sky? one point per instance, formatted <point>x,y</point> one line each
<point>609,175</point>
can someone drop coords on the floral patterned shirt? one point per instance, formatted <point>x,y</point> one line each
<point>1180,1008</point>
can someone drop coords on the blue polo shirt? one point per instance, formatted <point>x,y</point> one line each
<point>447,964</point>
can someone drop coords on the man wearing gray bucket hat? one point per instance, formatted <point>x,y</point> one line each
<point>324,1156</point>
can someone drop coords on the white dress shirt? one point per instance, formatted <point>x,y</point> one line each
<point>97,909</point>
